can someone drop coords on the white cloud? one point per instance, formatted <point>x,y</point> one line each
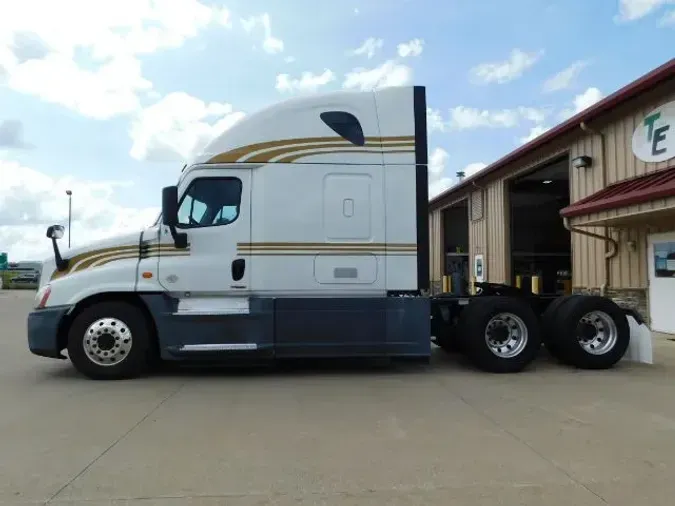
<point>369,47</point>
<point>271,44</point>
<point>28,46</point>
<point>581,102</point>
<point>224,17</point>
<point>108,91</point>
<point>564,78</point>
<point>473,168</point>
<point>11,135</point>
<point>435,121</point>
<point>389,73</point>
<point>30,201</point>
<point>307,82</point>
<point>410,48</point>
<point>438,181</point>
<point>532,114</point>
<point>587,99</point>
<point>668,19</point>
<point>178,126</point>
<point>507,70</point>
<point>463,118</point>
<point>631,10</point>
<point>40,55</point>
<point>111,28</point>
<point>535,132</point>
<point>289,59</point>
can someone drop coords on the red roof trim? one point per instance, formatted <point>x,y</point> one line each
<point>643,84</point>
<point>657,185</point>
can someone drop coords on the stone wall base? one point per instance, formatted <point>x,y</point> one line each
<point>630,298</point>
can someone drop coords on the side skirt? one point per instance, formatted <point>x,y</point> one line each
<point>295,328</point>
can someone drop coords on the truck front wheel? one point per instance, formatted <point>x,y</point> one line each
<point>109,340</point>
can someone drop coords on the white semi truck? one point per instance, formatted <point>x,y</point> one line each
<point>300,232</point>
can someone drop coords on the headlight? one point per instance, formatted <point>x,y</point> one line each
<point>42,296</point>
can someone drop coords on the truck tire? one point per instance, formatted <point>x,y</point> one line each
<point>110,341</point>
<point>591,332</point>
<point>500,334</point>
<point>549,323</point>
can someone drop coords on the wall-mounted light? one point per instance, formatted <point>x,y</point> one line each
<point>548,181</point>
<point>582,162</point>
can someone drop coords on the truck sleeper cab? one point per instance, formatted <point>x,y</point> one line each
<point>294,234</point>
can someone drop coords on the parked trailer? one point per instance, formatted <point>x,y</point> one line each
<point>302,231</point>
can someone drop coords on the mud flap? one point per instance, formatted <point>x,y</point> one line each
<point>640,347</point>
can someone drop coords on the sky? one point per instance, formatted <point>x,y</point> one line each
<point>109,99</point>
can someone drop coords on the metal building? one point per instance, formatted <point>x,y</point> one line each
<point>587,207</point>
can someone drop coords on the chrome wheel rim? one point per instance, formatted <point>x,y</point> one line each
<point>506,335</point>
<point>597,333</point>
<point>107,341</point>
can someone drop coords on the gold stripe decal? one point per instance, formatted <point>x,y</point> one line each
<point>308,248</point>
<point>104,256</point>
<point>290,150</point>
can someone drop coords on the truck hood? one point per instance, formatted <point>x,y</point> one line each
<point>94,254</point>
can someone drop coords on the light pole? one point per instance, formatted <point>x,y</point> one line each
<point>70,212</point>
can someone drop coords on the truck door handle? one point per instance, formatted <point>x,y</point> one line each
<point>238,269</point>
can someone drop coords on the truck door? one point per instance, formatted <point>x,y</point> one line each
<point>215,213</point>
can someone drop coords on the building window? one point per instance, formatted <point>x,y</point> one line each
<point>345,125</point>
<point>210,202</point>
<point>664,259</point>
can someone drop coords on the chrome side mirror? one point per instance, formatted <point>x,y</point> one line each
<point>55,232</point>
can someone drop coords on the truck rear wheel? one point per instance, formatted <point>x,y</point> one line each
<point>549,322</point>
<point>110,340</point>
<point>499,334</point>
<point>591,332</point>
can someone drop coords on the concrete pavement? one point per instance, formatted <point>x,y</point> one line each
<point>438,435</point>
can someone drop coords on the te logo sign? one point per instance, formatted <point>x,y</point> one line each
<point>654,136</point>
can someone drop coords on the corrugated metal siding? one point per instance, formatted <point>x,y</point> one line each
<point>588,254</point>
<point>629,268</point>
<point>478,232</point>
<point>497,233</point>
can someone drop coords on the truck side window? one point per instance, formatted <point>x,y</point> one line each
<point>210,202</point>
<point>345,125</point>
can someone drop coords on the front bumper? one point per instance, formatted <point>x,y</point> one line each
<point>43,326</point>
